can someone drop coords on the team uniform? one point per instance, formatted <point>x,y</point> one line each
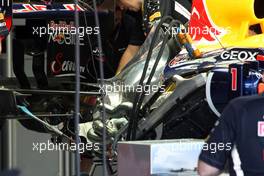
<point>242,126</point>
<point>128,32</point>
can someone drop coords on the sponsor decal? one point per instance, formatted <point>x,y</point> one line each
<point>239,54</point>
<point>61,24</point>
<point>61,33</point>
<point>261,129</point>
<point>173,62</point>
<point>67,39</point>
<point>201,21</point>
<point>24,8</point>
<point>59,66</point>
<point>97,54</point>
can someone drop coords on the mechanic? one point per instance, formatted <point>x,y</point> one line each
<point>129,36</point>
<point>34,48</point>
<point>10,173</point>
<point>241,126</point>
<point>151,10</point>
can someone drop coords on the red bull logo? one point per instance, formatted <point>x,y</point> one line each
<point>201,25</point>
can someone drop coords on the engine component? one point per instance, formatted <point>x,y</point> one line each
<point>186,40</point>
<point>95,131</point>
<point>154,10</point>
<point>151,13</point>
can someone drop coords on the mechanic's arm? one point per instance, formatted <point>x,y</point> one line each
<point>130,52</point>
<point>205,169</point>
<point>212,161</point>
<point>132,22</point>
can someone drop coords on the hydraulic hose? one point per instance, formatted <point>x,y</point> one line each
<point>141,98</point>
<point>135,102</point>
<point>142,95</point>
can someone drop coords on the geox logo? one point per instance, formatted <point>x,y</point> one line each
<point>241,55</point>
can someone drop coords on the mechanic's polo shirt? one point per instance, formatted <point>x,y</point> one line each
<point>238,138</point>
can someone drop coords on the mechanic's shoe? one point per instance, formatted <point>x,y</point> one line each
<point>3,29</point>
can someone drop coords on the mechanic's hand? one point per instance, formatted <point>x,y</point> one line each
<point>133,5</point>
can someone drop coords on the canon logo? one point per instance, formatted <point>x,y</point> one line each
<point>241,55</point>
<point>58,65</point>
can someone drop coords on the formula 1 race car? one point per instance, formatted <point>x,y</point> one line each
<point>194,85</point>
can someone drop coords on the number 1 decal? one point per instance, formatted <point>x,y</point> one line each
<point>234,79</point>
